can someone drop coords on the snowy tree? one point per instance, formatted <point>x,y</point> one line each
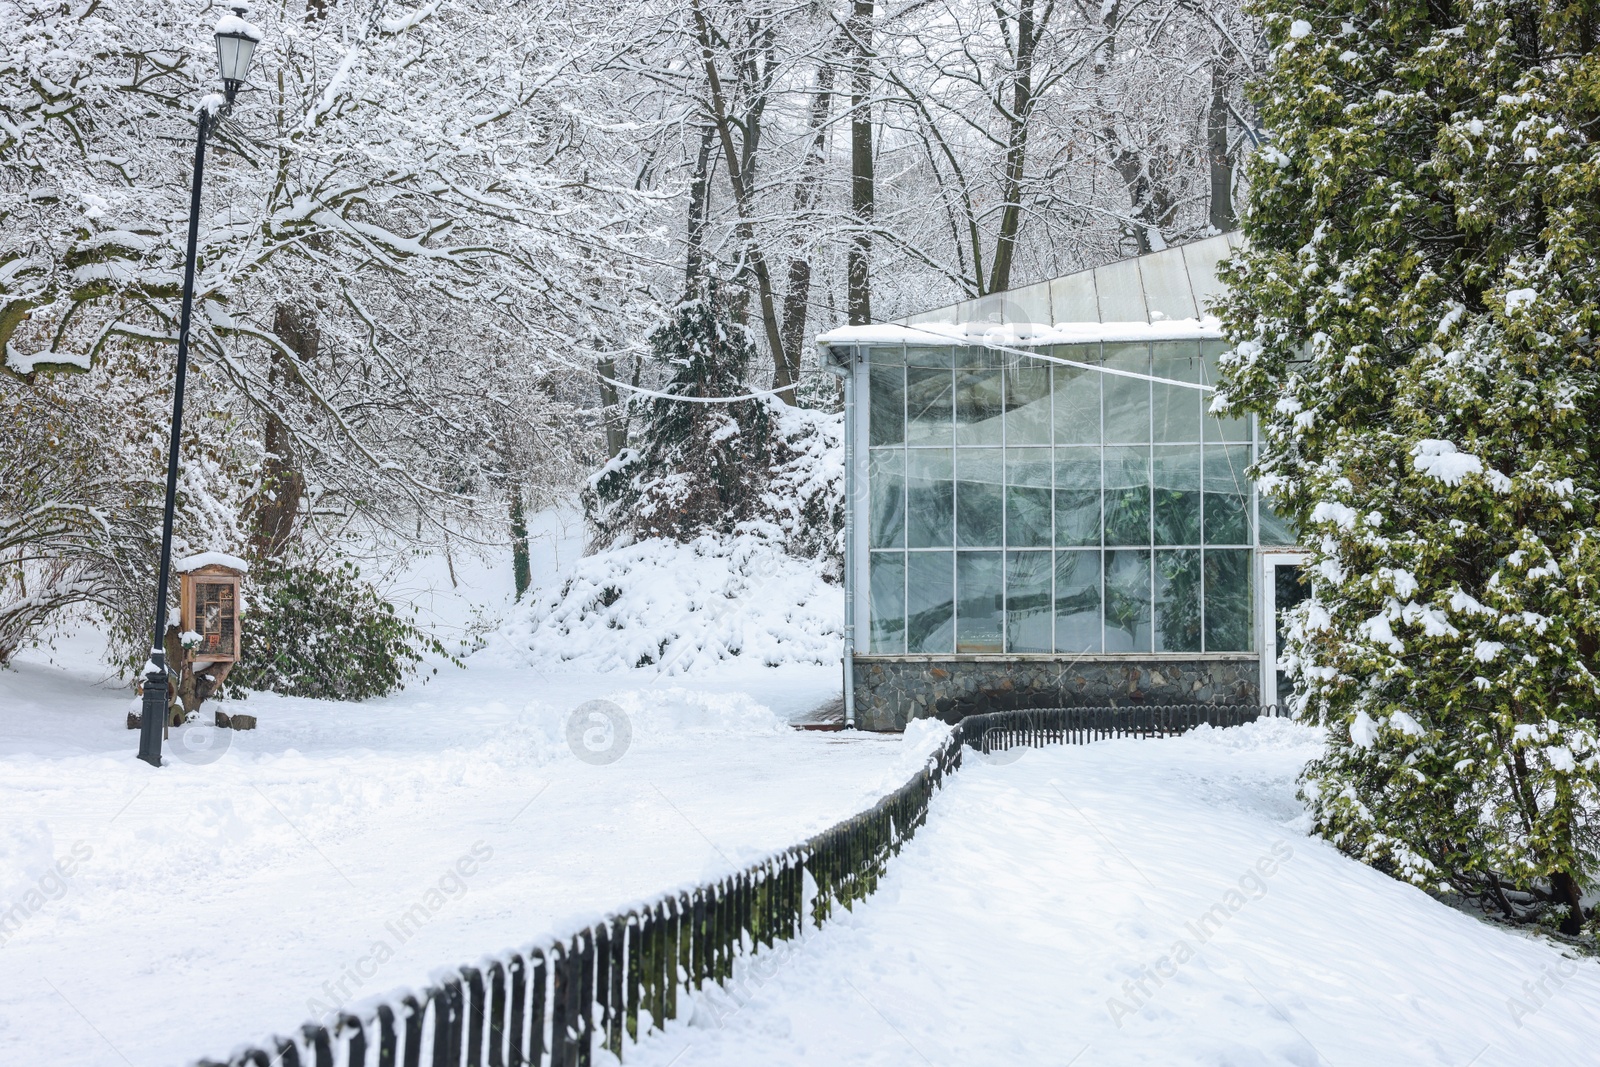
<point>703,464</point>
<point>414,237</point>
<point>952,148</point>
<point>1415,328</point>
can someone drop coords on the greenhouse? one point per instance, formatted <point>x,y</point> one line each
<point>1048,515</point>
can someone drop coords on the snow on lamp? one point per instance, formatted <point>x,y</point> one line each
<point>236,46</point>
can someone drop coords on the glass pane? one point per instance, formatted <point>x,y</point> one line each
<point>1077,496</point>
<point>1028,497</point>
<point>978,405</point>
<point>930,593</point>
<point>1227,495</point>
<point>1175,478</point>
<point>1276,527</point>
<point>930,406</point>
<point>1127,498</point>
<point>1077,396</point>
<point>1028,403</point>
<point>1178,601</point>
<point>1078,601</point>
<point>1028,601</point>
<point>1127,400</point>
<point>930,498</point>
<point>886,575</point>
<point>1166,285</point>
<point>1175,411</point>
<point>979,500</point>
<point>1234,429</point>
<point>886,511</point>
<point>978,610</point>
<point>928,357</point>
<point>1128,600</point>
<point>1228,600</point>
<point>886,392</point>
<point>1121,292</point>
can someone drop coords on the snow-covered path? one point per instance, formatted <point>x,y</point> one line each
<point>209,902</point>
<point>1144,902</point>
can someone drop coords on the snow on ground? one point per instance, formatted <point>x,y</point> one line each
<point>210,901</point>
<point>1127,902</point>
<point>213,901</point>
<point>680,607</point>
<point>1144,902</point>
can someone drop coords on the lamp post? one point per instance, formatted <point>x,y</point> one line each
<point>236,45</point>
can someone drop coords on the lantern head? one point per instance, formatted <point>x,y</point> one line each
<point>236,46</point>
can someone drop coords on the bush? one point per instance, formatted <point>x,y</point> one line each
<point>325,634</point>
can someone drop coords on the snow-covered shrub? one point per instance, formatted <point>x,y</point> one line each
<point>678,607</point>
<point>1414,323</point>
<point>804,495</point>
<point>325,633</point>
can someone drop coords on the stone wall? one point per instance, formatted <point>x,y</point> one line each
<point>891,690</point>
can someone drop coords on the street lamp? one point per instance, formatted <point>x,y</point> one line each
<point>236,45</point>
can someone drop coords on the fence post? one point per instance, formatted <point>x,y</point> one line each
<point>585,998</point>
<point>537,1014</point>
<point>288,1055</point>
<point>388,1038</point>
<point>317,1040</point>
<point>519,988</point>
<point>635,962</point>
<point>414,1010</point>
<point>497,1014</point>
<point>601,938</point>
<point>617,946</point>
<point>560,976</point>
<point>659,958</point>
<point>697,950</point>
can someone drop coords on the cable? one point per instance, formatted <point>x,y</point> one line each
<point>985,342</point>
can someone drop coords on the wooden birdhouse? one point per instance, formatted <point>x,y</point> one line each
<point>209,598</point>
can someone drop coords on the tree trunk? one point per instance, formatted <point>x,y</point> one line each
<point>858,300</point>
<point>189,689</point>
<point>1149,204</point>
<point>1222,216</point>
<point>783,380</point>
<point>1567,892</point>
<point>699,196</point>
<point>1016,150</point>
<point>521,570</point>
<point>611,408</point>
<point>807,188</point>
<point>277,502</point>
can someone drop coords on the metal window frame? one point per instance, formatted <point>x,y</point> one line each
<point>858,568</point>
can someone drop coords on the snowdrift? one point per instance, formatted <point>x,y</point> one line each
<point>680,608</point>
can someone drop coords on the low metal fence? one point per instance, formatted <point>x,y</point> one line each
<point>998,730</point>
<point>607,985</point>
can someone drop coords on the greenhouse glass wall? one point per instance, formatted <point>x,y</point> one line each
<point>1047,515</point>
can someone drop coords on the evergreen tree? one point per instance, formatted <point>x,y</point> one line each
<point>701,467</point>
<point>1415,322</point>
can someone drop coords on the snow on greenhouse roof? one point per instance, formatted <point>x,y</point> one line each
<point>1161,288</point>
<point>1031,334</point>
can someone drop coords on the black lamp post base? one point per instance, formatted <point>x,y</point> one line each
<point>153,718</point>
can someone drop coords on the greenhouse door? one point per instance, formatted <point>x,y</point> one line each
<point>1282,587</point>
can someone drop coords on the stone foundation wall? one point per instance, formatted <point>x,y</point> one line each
<point>892,690</point>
